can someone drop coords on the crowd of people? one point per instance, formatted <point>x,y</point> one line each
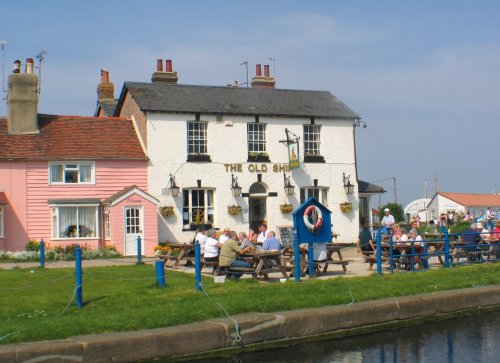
<point>226,249</point>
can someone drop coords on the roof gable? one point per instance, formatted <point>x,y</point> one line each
<point>72,138</point>
<point>127,192</point>
<point>174,98</point>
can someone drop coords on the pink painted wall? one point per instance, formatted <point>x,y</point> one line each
<point>149,221</point>
<point>27,187</point>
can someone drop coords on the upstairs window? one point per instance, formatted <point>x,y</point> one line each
<point>197,137</point>
<point>312,140</point>
<point>256,134</point>
<point>72,173</point>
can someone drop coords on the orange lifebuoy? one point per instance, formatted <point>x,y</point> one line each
<point>308,212</point>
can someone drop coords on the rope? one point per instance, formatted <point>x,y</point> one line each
<point>43,283</point>
<point>352,297</point>
<point>238,337</point>
<point>116,278</point>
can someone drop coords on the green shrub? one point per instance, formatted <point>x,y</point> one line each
<point>460,227</point>
<point>32,245</point>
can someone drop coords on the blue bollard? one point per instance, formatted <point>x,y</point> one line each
<point>42,253</point>
<point>310,257</point>
<point>391,256</point>
<point>139,252</point>
<point>446,249</point>
<point>296,257</point>
<point>78,273</point>
<point>160,272</point>
<point>197,265</point>
<point>379,252</point>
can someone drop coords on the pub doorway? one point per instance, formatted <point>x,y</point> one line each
<point>257,204</point>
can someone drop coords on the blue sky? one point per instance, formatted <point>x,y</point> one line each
<point>424,75</point>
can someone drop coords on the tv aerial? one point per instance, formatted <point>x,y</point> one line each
<point>41,58</point>
<point>3,45</point>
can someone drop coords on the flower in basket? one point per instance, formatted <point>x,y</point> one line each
<point>346,207</point>
<point>166,211</point>
<point>161,249</point>
<point>286,208</point>
<point>234,210</point>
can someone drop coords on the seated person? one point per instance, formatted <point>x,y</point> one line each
<point>418,246</point>
<point>244,242</point>
<point>484,233</point>
<point>229,251</point>
<point>211,247</point>
<point>472,238</point>
<point>365,240</point>
<point>271,242</point>
<point>319,252</point>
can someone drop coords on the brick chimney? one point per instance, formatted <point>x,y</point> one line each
<point>266,81</point>
<point>169,76</point>
<point>105,89</point>
<point>22,101</point>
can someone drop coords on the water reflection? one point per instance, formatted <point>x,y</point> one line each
<point>471,339</point>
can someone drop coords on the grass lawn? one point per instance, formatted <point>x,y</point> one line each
<point>36,304</point>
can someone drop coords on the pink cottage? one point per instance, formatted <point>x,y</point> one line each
<point>71,179</point>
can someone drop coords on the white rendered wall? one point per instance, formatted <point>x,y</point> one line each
<point>228,145</point>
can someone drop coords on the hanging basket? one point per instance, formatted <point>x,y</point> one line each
<point>286,208</point>
<point>234,210</point>
<point>346,207</point>
<point>167,211</point>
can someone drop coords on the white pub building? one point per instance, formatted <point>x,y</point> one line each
<point>236,157</point>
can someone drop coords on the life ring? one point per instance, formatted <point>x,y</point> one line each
<point>319,218</point>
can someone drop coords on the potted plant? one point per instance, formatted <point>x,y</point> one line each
<point>310,157</point>
<point>346,207</point>
<point>286,208</point>
<point>258,156</point>
<point>234,210</point>
<point>167,211</point>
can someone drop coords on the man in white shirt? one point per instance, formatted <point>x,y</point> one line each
<point>224,236</point>
<point>263,233</point>
<point>201,238</point>
<point>388,219</point>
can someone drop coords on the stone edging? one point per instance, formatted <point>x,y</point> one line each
<point>259,328</point>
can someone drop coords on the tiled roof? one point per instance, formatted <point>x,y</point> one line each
<point>365,187</point>
<point>3,198</point>
<point>72,138</point>
<point>473,200</point>
<point>176,98</point>
<point>120,193</point>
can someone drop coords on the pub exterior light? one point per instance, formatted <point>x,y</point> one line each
<point>289,188</point>
<point>235,188</point>
<point>173,189</point>
<point>348,187</point>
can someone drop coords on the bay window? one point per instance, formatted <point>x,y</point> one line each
<point>74,221</point>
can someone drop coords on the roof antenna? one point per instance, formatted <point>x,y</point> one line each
<point>246,66</point>
<point>41,58</point>
<point>274,66</point>
<point>3,44</point>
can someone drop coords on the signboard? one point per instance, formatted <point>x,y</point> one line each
<point>286,235</point>
<point>293,154</point>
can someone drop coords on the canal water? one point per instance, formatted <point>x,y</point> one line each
<point>464,339</point>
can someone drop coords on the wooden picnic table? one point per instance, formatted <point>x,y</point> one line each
<point>183,248</point>
<point>331,249</point>
<point>266,262</point>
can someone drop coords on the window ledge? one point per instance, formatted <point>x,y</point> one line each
<point>194,227</point>
<point>199,157</point>
<point>258,158</point>
<point>314,159</point>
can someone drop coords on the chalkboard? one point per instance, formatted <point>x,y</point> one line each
<point>286,235</point>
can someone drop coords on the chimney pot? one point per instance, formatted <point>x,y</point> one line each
<point>168,65</point>
<point>16,68</point>
<point>105,89</point>
<point>266,70</point>
<point>159,65</point>
<point>29,65</point>
<point>258,70</point>
<point>104,75</point>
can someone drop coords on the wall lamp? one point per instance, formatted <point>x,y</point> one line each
<point>289,188</point>
<point>173,189</point>
<point>349,188</point>
<point>235,188</point>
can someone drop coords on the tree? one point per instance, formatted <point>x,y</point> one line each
<point>397,211</point>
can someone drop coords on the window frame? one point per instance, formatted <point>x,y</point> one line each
<point>188,207</point>
<point>56,220</point>
<point>256,138</point>
<point>305,193</point>
<point>200,136</point>
<point>67,167</point>
<point>312,145</point>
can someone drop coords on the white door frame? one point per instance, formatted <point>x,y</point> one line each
<point>130,239</point>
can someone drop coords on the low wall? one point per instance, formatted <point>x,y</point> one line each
<point>255,329</point>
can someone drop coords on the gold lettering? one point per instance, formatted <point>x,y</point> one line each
<point>227,167</point>
<point>251,168</point>
<point>264,168</point>
<point>275,168</point>
<point>240,168</point>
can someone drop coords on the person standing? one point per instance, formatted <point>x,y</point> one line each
<point>388,220</point>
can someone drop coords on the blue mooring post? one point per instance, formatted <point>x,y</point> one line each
<point>379,252</point>
<point>139,252</point>
<point>160,272</point>
<point>197,265</point>
<point>391,256</point>
<point>42,253</point>
<point>446,249</point>
<point>310,257</point>
<point>78,273</point>
<point>296,257</point>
